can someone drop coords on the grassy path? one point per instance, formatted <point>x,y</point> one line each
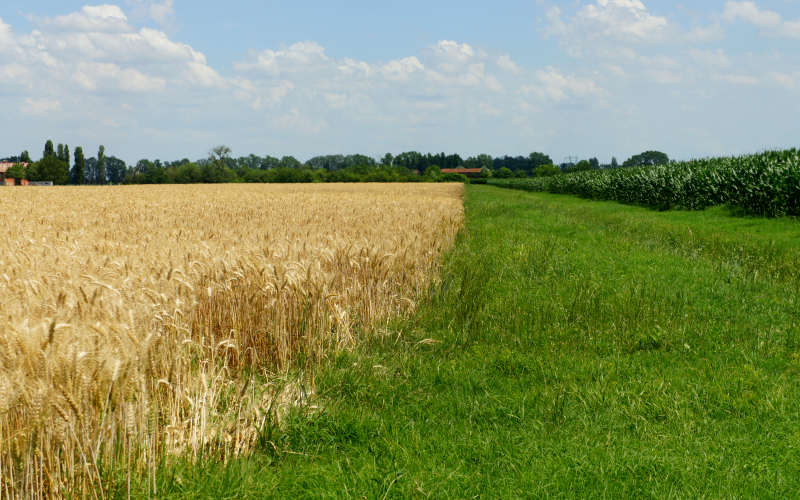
<point>578,349</point>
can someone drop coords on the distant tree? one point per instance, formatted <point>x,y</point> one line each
<point>90,172</point>
<point>78,174</point>
<point>65,159</point>
<point>270,162</point>
<point>504,173</point>
<point>614,163</point>
<point>594,163</point>
<point>486,172</point>
<point>411,160</point>
<point>115,169</point>
<point>546,171</point>
<point>17,171</point>
<point>290,162</point>
<point>359,160</point>
<point>60,152</point>
<point>578,167</point>
<point>539,159</point>
<point>387,159</point>
<point>100,174</point>
<point>648,158</point>
<point>433,172</point>
<point>48,149</point>
<point>481,161</point>
<point>49,168</point>
<point>453,161</point>
<point>25,157</point>
<point>219,154</point>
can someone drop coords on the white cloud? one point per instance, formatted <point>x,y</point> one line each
<point>162,12</point>
<point>97,19</point>
<point>505,62</point>
<point>297,57</point>
<point>627,21</point>
<point>93,76</point>
<point>555,86</point>
<point>40,106</point>
<point>451,51</point>
<point>771,23</point>
<point>98,50</point>
<point>401,69</point>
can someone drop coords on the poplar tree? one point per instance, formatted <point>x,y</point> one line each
<point>101,165</point>
<point>79,168</point>
<point>48,149</point>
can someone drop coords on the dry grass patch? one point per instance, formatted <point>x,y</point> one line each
<point>133,320</point>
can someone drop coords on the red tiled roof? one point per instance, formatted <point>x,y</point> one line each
<point>461,170</point>
<point>5,165</point>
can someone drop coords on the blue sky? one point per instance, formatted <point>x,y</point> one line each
<point>171,79</point>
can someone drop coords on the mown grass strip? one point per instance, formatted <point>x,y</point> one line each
<point>572,349</point>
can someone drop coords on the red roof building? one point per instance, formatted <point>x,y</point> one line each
<point>469,172</point>
<point>4,166</point>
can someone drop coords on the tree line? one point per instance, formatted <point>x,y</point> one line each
<point>59,167</point>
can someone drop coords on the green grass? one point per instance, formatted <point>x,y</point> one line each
<point>578,349</point>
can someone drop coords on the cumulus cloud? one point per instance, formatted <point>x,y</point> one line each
<point>401,69</point>
<point>770,22</point>
<point>301,56</point>
<point>97,49</point>
<point>626,21</point>
<point>160,11</point>
<point>505,62</point>
<point>94,19</point>
<point>555,86</point>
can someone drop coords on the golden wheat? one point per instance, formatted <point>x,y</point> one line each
<point>133,320</point>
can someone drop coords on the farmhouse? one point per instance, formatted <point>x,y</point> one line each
<point>4,181</point>
<point>469,172</point>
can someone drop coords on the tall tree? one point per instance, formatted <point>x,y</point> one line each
<point>115,168</point>
<point>647,158</point>
<point>48,149</point>
<point>539,159</point>
<point>60,152</point>
<point>78,173</point>
<point>25,157</point>
<point>49,168</point>
<point>219,155</point>
<point>290,162</point>
<point>65,159</point>
<point>101,166</point>
<point>614,162</point>
<point>387,160</point>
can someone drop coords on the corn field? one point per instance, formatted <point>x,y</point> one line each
<point>766,184</point>
<point>142,323</point>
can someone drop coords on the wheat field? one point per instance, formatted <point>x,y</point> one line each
<point>140,323</point>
